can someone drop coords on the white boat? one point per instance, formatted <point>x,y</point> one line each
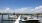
<point>13,17</point>
<point>19,20</point>
<point>30,18</point>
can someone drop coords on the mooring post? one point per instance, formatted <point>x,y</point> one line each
<point>37,16</point>
<point>31,15</point>
<point>2,19</point>
<point>8,16</point>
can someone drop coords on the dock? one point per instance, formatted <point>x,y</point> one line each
<point>29,20</point>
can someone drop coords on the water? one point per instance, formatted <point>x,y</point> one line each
<point>5,17</point>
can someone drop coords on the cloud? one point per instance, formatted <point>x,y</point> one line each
<point>28,10</point>
<point>23,10</point>
<point>7,10</point>
<point>38,9</point>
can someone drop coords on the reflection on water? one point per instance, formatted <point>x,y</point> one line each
<point>7,21</point>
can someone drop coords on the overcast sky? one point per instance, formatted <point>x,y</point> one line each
<point>21,6</point>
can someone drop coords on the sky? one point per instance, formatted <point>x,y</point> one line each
<point>21,6</point>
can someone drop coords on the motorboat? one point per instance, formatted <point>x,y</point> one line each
<point>27,20</point>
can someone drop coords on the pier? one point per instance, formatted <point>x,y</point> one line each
<point>17,17</point>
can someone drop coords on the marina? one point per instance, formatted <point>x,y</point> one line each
<point>24,18</point>
<point>20,11</point>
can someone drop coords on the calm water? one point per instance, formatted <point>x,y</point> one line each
<point>5,17</point>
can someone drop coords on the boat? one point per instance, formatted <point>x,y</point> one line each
<point>29,20</point>
<point>24,20</point>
